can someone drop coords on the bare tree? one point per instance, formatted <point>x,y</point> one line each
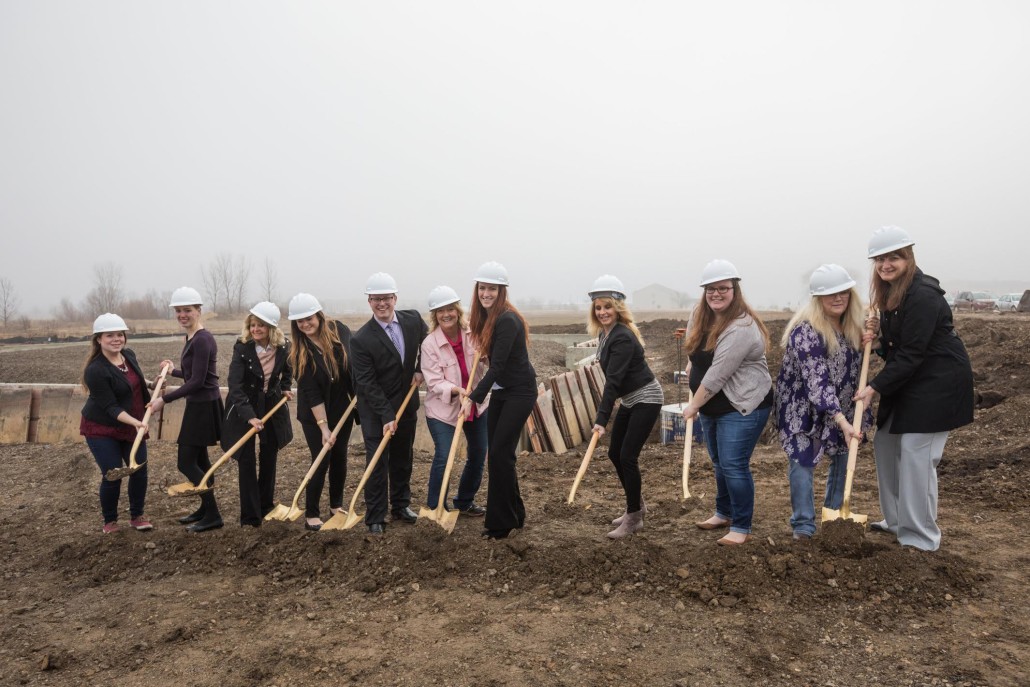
<point>8,300</point>
<point>269,281</point>
<point>67,312</point>
<point>106,294</point>
<point>225,280</point>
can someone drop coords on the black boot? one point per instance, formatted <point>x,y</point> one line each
<point>195,516</point>
<point>212,519</point>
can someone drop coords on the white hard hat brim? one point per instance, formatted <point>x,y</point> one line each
<point>444,304</point>
<point>617,295</point>
<point>302,315</point>
<point>831,290</point>
<point>890,249</point>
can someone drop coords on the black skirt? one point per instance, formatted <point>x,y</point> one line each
<point>201,423</point>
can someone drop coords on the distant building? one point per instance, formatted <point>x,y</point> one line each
<point>658,297</point>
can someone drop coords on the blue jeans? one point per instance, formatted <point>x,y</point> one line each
<point>472,475</point>
<point>731,438</point>
<point>113,453</point>
<point>802,493</point>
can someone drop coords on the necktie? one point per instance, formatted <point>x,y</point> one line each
<point>395,336</point>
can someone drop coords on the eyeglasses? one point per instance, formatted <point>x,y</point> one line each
<point>380,299</point>
<point>721,290</point>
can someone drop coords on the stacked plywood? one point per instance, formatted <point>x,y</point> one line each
<point>565,410</point>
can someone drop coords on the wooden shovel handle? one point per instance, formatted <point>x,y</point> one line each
<point>325,449</point>
<point>379,451</point>
<point>158,383</point>
<point>688,444</point>
<point>583,466</point>
<point>244,439</point>
<point>456,440</point>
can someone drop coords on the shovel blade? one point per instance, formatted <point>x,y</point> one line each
<point>830,514</point>
<point>280,512</point>
<point>429,514</point>
<point>341,520</point>
<point>448,520</point>
<point>844,514</point>
<point>294,514</point>
<point>187,489</point>
<point>115,474</point>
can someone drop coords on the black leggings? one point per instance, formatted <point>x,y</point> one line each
<point>193,462</point>
<point>334,462</point>
<point>630,430</point>
<point>505,418</point>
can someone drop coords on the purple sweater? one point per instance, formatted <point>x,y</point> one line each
<point>198,361</point>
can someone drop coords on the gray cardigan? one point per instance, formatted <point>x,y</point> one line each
<point>739,368</point>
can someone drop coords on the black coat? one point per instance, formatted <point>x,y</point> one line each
<point>316,387</point>
<point>927,379</point>
<point>248,400</point>
<point>109,391</point>
<point>510,368</point>
<point>381,378</point>
<point>625,369</point>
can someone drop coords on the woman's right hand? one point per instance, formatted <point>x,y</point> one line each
<point>327,436</point>
<point>164,363</point>
<point>849,432</point>
<point>598,430</point>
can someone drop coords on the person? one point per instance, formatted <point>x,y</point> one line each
<point>620,352</point>
<point>259,376</point>
<point>499,330</point>
<point>321,360</point>
<point>202,419</point>
<point>819,377</point>
<point>925,388</point>
<point>386,363</point>
<point>447,357</point>
<point>729,376</point>
<point>112,415</point>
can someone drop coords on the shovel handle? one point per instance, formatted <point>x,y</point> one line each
<point>236,447</point>
<point>446,480</point>
<point>855,441</point>
<point>158,383</point>
<point>688,445</point>
<point>379,451</point>
<point>583,466</point>
<point>321,454</point>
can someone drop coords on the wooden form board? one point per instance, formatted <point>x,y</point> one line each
<point>545,404</point>
<point>14,415</point>
<point>579,405</point>
<point>588,396</point>
<point>564,403</point>
<point>60,411</point>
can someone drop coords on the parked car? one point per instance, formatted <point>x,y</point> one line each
<point>1007,303</point>
<point>973,301</point>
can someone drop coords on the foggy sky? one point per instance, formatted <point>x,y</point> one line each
<point>563,139</point>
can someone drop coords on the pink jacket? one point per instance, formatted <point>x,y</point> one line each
<point>441,372</point>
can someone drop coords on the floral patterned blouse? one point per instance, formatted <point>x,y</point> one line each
<point>811,389</point>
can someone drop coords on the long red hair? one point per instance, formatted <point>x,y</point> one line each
<point>483,321</point>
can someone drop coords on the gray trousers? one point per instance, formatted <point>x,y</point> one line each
<point>906,471</point>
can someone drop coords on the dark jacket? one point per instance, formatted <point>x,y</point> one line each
<point>109,391</point>
<point>381,378</point>
<point>199,361</point>
<point>248,400</point>
<point>622,360</point>
<point>316,387</point>
<point>510,368</point>
<point>927,380</point>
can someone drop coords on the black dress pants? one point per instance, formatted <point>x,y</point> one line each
<point>392,473</point>
<point>505,418</point>
<point>334,462</point>
<point>257,477</point>
<point>630,430</point>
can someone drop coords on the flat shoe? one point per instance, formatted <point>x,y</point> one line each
<point>313,528</point>
<point>203,526</point>
<point>880,526</point>
<point>729,542</point>
<point>705,525</point>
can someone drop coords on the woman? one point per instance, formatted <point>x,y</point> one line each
<point>447,356</point>
<point>320,360</point>
<point>822,361</point>
<point>925,388</point>
<point>732,389</point>
<point>112,415</point>
<point>259,376</point>
<point>620,351</point>
<point>202,419</point>
<point>499,330</point>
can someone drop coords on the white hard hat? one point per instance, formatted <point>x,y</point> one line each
<point>718,270</point>
<point>492,273</point>
<point>888,239</point>
<point>380,283</point>
<point>829,279</point>
<point>441,296</point>
<point>184,295</point>
<point>109,322</point>
<point>607,286</point>
<point>303,305</point>
<point>267,312</point>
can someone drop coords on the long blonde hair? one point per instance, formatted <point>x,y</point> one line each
<point>887,295</point>
<point>851,322</point>
<point>706,327</point>
<point>327,338</point>
<point>462,320</point>
<point>622,314</point>
<point>276,337</point>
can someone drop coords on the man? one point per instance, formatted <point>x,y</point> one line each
<point>385,363</point>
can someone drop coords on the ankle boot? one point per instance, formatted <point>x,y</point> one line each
<point>195,516</point>
<point>212,518</point>
<point>633,522</point>
<point>618,521</point>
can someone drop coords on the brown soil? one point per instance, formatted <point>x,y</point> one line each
<point>556,605</point>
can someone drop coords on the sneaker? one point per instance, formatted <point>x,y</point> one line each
<point>111,527</point>
<point>473,511</point>
<point>141,523</point>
